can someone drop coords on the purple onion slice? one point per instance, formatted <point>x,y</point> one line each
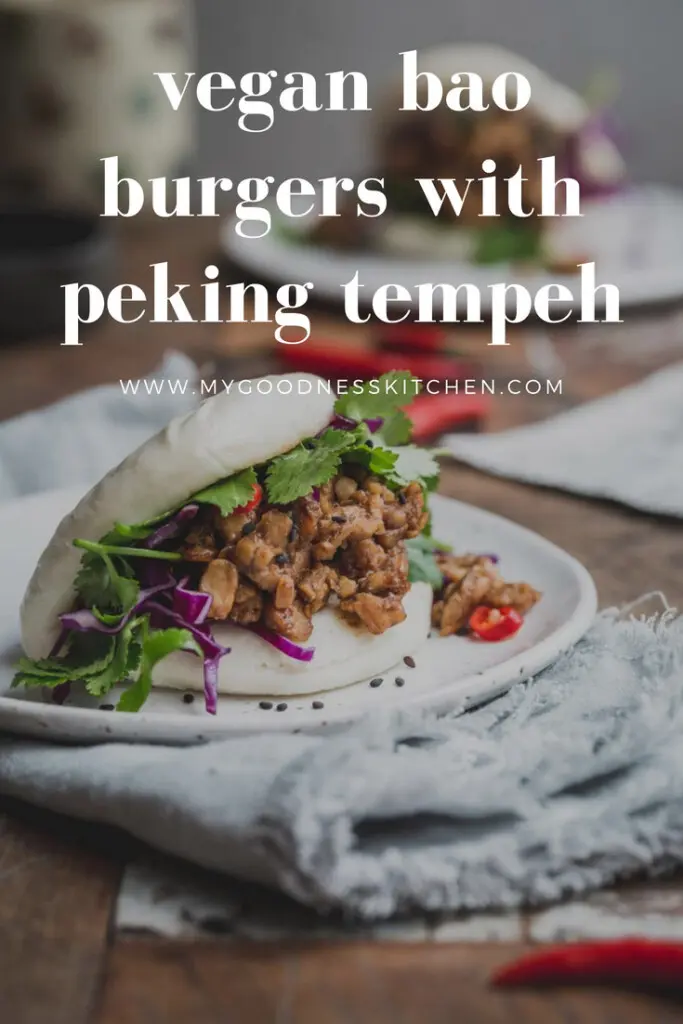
<point>282,644</point>
<point>170,529</point>
<point>84,620</point>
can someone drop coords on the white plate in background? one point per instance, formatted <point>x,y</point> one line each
<point>635,238</point>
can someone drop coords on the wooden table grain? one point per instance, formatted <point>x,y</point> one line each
<point>94,929</point>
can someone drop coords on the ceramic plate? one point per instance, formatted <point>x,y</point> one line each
<point>634,239</point>
<point>449,673</point>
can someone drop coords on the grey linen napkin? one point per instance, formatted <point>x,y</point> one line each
<point>627,447</point>
<point>564,785</point>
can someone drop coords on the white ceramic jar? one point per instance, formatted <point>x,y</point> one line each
<point>78,84</point>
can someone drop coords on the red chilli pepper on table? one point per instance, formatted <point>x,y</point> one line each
<point>495,624</point>
<point>626,963</point>
<point>256,500</point>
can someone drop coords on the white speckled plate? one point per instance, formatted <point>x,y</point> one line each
<point>448,671</point>
<point>634,238</point>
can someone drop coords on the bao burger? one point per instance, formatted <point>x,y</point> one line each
<point>442,143</point>
<point>264,544</point>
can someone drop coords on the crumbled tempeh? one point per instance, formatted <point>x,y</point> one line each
<point>220,580</point>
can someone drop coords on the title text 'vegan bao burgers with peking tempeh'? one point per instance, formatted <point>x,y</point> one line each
<point>265,544</point>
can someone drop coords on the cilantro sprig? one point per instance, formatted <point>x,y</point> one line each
<point>385,453</point>
<point>422,564</point>
<point>384,399</point>
<point>229,494</point>
<point>311,464</point>
<point>100,662</point>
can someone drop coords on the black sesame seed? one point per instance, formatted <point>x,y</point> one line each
<point>265,704</point>
<point>281,559</point>
<point>248,528</point>
<point>369,443</point>
<point>376,682</point>
<point>293,534</point>
<point>402,499</point>
<point>317,705</point>
<point>338,519</point>
<point>400,681</point>
<point>188,698</point>
<point>409,661</point>
<point>106,707</point>
<point>281,707</point>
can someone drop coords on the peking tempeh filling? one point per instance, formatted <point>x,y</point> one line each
<point>470,581</point>
<point>278,566</point>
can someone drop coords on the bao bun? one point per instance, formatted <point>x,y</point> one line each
<point>226,434</point>
<point>343,655</point>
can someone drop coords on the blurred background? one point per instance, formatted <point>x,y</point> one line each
<point>638,42</point>
<point>77,77</point>
<point>77,83</point>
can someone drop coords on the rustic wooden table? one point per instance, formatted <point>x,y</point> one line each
<point>96,930</point>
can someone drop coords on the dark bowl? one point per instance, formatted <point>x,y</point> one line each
<point>40,251</point>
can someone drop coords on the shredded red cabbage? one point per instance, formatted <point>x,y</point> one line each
<point>187,609</point>
<point>342,423</point>
<point>60,693</point>
<point>191,604</point>
<point>172,527</point>
<point>282,644</point>
<point>211,682</point>
<point>161,617</point>
<point>84,621</point>
<point>59,643</point>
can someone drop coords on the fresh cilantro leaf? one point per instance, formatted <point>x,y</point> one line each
<point>413,463</point>
<point>28,680</point>
<point>96,660</point>
<point>379,461</point>
<point>422,567</point>
<point>295,474</point>
<point>102,549</point>
<point>95,585</point>
<point>430,483</point>
<point>227,495</point>
<point>422,564</point>
<point>124,533</point>
<point>499,243</point>
<point>381,397</point>
<point>126,661</point>
<point>89,655</point>
<point>396,429</point>
<point>425,542</point>
<point>340,440</point>
<point>104,586</point>
<point>154,646</point>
